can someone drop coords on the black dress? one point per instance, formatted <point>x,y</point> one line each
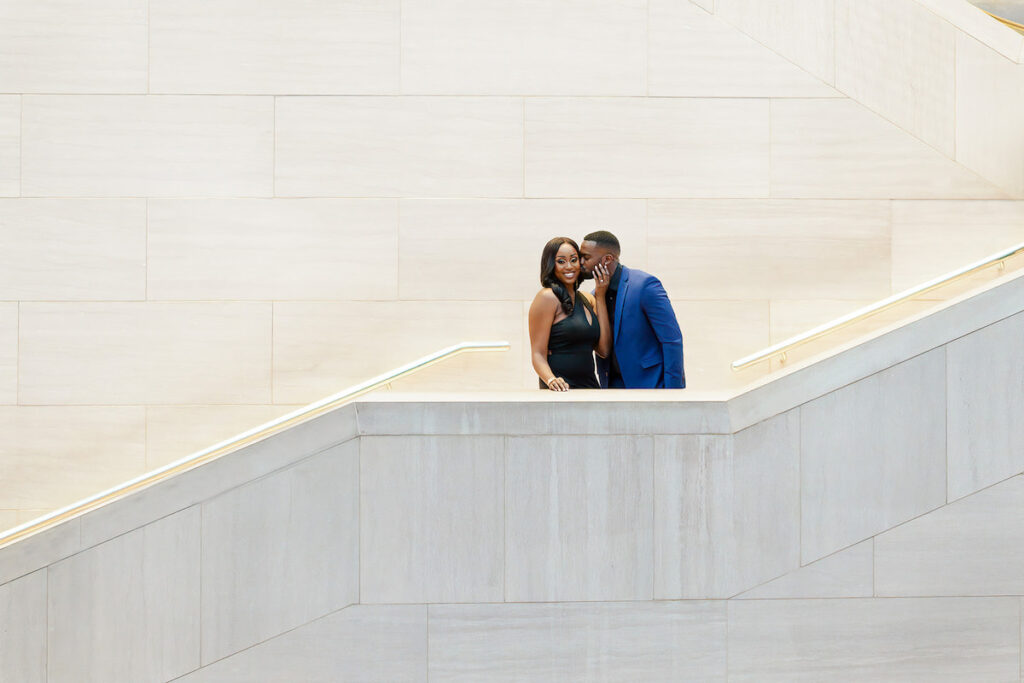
<point>571,348</point>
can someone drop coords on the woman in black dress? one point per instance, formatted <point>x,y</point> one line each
<point>566,324</point>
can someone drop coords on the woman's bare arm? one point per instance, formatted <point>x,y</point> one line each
<point>542,316</point>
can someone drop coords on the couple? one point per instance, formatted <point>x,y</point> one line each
<point>628,321</point>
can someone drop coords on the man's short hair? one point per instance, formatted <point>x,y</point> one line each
<point>605,240</point>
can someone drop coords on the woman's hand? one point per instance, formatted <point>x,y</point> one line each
<point>601,280</point>
<point>557,384</point>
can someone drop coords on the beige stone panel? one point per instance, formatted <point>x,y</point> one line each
<point>10,145</point>
<point>989,108</point>
<point>155,353</point>
<point>533,47</point>
<point>802,31</point>
<point>708,5</point>
<point>239,249</point>
<point>8,519</point>
<point>52,456</point>
<point>23,629</point>
<point>173,432</point>
<point>640,147</point>
<point>696,54</point>
<point>322,348</point>
<point>73,249</point>
<point>159,146</point>
<point>837,148</point>
<point>8,353</point>
<point>898,58</point>
<point>394,147</point>
<point>715,333</point>
<point>274,46</point>
<point>966,17</point>
<point>760,249</point>
<point>62,46</point>
<point>490,249</point>
<point>932,238</point>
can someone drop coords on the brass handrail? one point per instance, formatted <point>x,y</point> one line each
<point>1009,22</point>
<point>246,438</point>
<point>783,347</point>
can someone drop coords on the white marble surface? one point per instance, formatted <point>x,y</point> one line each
<point>8,353</point>
<point>639,147</point>
<point>52,46</point>
<point>274,47</point>
<point>10,145</point>
<point>873,455</point>
<point>117,146</point>
<point>394,147</point>
<point>973,546</point>
<point>837,148</point>
<point>444,244</point>
<point>322,347</point>
<point>23,629</point>
<point>802,31</point>
<point>152,353</point>
<point>898,59</point>
<point>970,20</point>
<point>759,249</point>
<point>558,47</point>
<point>693,53</point>
<point>989,102</point>
<point>236,249</point>
<point>51,456</point>
<point>128,610</point>
<point>40,550</point>
<point>578,520</point>
<point>280,551</point>
<point>915,639</point>
<point>365,643</point>
<point>73,249</point>
<point>848,573</point>
<point>431,519</point>
<point>717,332</point>
<point>985,438</point>
<point>626,641</point>
<point>727,510</point>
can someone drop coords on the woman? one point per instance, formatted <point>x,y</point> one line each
<point>564,335</point>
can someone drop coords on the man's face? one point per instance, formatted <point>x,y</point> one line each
<point>591,255</point>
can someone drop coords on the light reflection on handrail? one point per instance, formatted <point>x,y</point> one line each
<point>783,347</point>
<point>324,405</point>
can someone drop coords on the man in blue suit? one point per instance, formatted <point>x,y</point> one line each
<point>647,346</point>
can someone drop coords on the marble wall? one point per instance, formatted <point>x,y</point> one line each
<point>212,213</point>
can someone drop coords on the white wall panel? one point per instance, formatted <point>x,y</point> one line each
<point>532,47</point>
<point>837,148</point>
<point>238,249</point>
<point>156,146</point>
<point>128,609</point>
<point>62,46</point>
<point>490,249</point>
<point>651,641</point>
<point>857,481</point>
<point>715,333</point>
<point>157,353</point>
<point>51,456</point>
<point>848,573</point>
<point>394,147</point>
<point>637,147</point>
<point>280,551</point>
<point>274,46</point>
<point>172,432</point>
<point>73,249</point>
<point>23,629</point>
<point>8,353</point>
<point>768,249</point>
<point>696,54</point>
<point>898,59</point>
<point>431,519</point>
<point>10,145</point>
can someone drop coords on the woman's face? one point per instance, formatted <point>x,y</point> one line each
<point>567,265</point>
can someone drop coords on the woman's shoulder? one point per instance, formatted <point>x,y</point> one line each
<point>546,295</point>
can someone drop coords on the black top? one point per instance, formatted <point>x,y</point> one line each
<point>610,298</point>
<point>571,347</point>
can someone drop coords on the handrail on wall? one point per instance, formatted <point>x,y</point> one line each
<point>293,418</point>
<point>783,347</point>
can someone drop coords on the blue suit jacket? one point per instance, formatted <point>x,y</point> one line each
<point>648,343</point>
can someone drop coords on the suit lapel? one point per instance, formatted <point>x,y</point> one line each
<point>620,299</point>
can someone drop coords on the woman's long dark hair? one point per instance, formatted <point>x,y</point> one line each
<point>547,272</point>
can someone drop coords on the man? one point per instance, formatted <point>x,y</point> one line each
<point>647,346</point>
